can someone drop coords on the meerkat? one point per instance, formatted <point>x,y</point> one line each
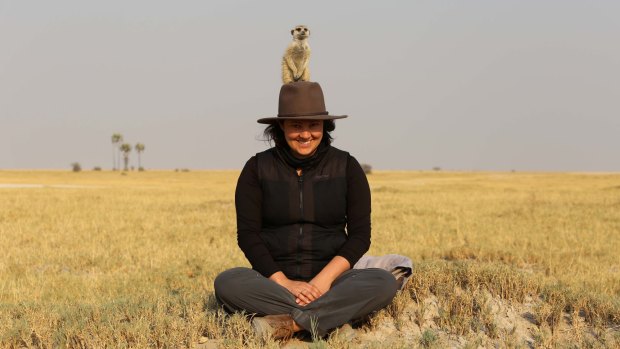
<point>296,56</point>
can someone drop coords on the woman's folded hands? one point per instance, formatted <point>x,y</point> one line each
<point>304,292</point>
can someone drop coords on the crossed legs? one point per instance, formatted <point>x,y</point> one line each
<point>356,293</point>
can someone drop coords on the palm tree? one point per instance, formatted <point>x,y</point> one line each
<point>126,149</point>
<point>139,149</point>
<point>116,139</point>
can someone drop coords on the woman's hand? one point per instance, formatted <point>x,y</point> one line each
<point>304,292</point>
<point>323,280</point>
<point>321,284</point>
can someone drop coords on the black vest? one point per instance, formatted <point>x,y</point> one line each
<point>304,217</point>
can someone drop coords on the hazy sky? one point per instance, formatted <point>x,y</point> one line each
<point>464,85</point>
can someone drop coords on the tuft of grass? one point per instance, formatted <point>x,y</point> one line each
<point>397,307</point>
<point>429,339</point>
<point>554,306</point>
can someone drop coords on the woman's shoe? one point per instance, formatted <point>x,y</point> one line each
<point>274,326</point>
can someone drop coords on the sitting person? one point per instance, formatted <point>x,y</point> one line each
<point>303,221</point>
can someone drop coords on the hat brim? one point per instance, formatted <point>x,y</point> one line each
<point>311,117</point>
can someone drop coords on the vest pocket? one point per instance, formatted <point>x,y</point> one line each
<point>281,243</point>
<point>330,203</point>
<point>276,203</point>
<point>325,244</point>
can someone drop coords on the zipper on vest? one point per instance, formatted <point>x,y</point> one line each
<point>300,181</point>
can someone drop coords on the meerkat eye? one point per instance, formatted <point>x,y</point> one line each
<point>298,29</point>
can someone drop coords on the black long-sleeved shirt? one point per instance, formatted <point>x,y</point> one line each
<point>248,202</point>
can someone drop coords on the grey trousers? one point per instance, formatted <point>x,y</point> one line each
<point>353,295</point>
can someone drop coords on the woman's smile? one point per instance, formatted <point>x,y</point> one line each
<point>303,136</point>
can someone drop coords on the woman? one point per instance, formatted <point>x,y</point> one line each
<point>303,221</point>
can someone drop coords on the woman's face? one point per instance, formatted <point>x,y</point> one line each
<point>303,136</point>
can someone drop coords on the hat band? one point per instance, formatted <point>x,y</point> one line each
<point>304,114</point>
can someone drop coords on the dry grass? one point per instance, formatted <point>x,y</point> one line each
<point>129,261</point>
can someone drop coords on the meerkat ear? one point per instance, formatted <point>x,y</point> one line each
<point>292,31</point>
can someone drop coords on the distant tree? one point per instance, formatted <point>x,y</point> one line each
<point>126,149</point>
<point>139,149</point>
<point>436,168</point>
<point>97,168</point>
<point>367,168</point>
<point>76,167</point>
<point>117,138</point>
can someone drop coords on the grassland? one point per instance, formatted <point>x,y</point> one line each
<point>101,259</point>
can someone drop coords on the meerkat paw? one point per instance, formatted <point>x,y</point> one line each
<point>305,76</point>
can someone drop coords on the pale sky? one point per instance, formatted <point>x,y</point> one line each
<point>529,85</point>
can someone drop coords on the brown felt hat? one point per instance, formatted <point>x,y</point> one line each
<point>302,100</point>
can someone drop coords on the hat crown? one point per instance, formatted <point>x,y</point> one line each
<point>303,98</point>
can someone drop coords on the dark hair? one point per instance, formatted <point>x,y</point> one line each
<point>273,133</point>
